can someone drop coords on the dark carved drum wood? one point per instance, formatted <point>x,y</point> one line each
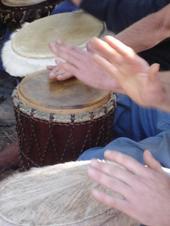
<point>14,13</point>
<point>57,121</point>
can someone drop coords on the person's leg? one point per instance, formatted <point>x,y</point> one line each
<point>9,157</point>
<point>137,129</point>
<point>65,6</point>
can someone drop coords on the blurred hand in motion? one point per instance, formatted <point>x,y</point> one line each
<point>82,64</point>
<point>144,190</point>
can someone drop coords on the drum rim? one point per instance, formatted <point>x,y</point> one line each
<point>28,101</point>
<point>5,3</point>
<point>86,114</point>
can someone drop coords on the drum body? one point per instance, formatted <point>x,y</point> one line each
<point>13,16</point>
<point>57,122</point>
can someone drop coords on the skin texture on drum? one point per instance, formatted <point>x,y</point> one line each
<point>74,28</point>
<point>71,96</point>
<point>58,195</point>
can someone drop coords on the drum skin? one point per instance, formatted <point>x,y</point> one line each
<point>47,138</point>
<point>58,195</point>
<point>14,17</point>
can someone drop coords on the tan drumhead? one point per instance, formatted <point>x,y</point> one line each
<point>71,95</point>
<point>74,28</point>
<point>17,3</point>
<point>57,195</point>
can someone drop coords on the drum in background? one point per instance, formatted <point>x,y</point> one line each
<point>57,121</point>
<point>30,52</point>
<point>54,196</point>
<point>13,13</point>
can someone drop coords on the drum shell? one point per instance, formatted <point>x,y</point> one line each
<point>46,142</point>
<point>14,17</point>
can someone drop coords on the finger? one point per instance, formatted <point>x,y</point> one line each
<point>65,76</point>
<point>153,71</point>
<point>151,162</point>
<point>110,182</point>
<point>57,70</point>
<point>114,202</point>
<point>114,171</point>
<point>107,66</point>
<point>63,71</point>
<point>119,47</point>
<point>126,161</point>
<point>50,67</point>
<point>61,76</point>
<point>67,53</point>
<point>100,47</point>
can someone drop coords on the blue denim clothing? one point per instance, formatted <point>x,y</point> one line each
<point>65,6</point>
<point>137,129</point>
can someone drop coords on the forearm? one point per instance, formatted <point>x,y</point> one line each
<point>147,32</point>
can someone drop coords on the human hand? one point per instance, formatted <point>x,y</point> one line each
<point>136,78</point>
<point>76,2</point>
<point>58,72</point>
<point>145,190</point>
<point>83,66</point>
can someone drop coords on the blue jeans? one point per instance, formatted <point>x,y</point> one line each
<point>137,129</point>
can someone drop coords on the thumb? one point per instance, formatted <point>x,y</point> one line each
<point>151,162</point>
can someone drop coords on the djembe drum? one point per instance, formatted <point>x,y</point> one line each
<point>30,52</point>
<point>57,121</point>
<point>13,13</point>
<point>57,195</point>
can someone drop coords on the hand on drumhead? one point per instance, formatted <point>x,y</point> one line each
<point>136,78</point>
<point>58,73</point>
<point>144,190</point>
<point>83,66</point>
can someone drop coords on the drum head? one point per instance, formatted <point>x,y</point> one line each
<point>22,66</point>
<point>18,3</point>
<point>73,28</point>
<point>57,195</point>
<point>67,96</point>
